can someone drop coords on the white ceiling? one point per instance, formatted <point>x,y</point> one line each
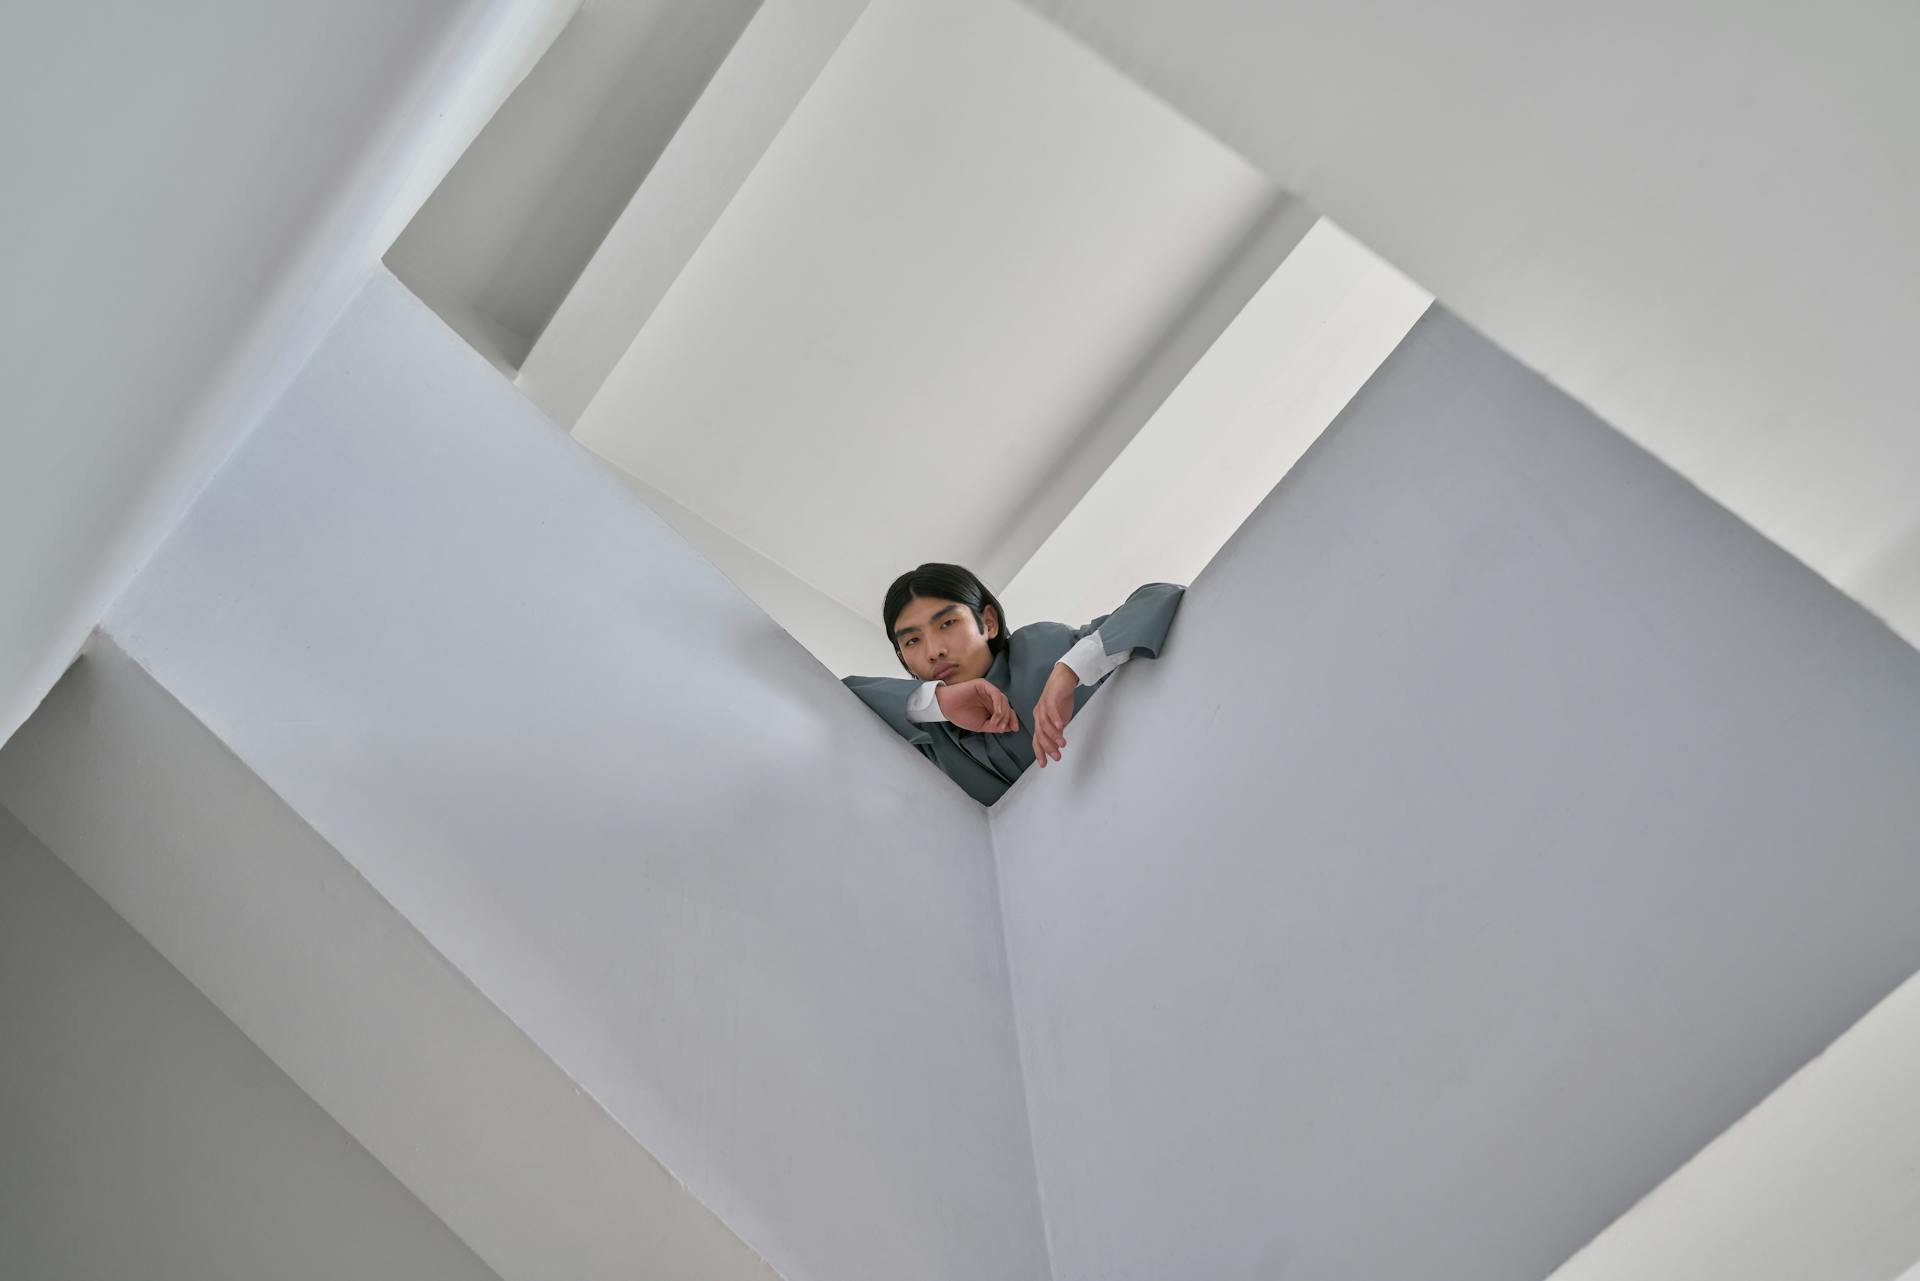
<point>958,249</point>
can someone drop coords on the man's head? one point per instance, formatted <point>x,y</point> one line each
<point>944,623</point>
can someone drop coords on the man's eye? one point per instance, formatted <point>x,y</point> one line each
<point>948,623</point>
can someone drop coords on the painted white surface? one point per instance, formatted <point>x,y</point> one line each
<point>1184,340</point>
<point>847,644</point>
<point>614,795</point>
<point>194,190</point>
<point>502,239</point>
<point>302,952</point>
<point>963,241</point>
<point>141,1135</point>
<point>1245,412</point>
<point>1503,821</point>
<point>1697,220</point>
<point>768,70</point>
<point>1821,1180</point>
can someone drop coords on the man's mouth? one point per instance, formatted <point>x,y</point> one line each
<point>945,672</point>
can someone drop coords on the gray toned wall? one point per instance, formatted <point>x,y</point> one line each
<point>1503,820</point>
<point>142,1135</point>
<point>617,797</point>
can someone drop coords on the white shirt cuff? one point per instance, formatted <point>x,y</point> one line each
<point>924,704</point>
<point>1090,661</point>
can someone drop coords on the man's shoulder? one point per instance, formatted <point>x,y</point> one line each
<point>1170,590</point>
<point>1047,633</point>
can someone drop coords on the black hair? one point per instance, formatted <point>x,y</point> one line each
<point>947,582</point>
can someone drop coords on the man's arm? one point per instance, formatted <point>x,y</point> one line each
<point>1089,658</point>
<point>976,705</point>
<point>924,703</point>
<point>1140,624</point>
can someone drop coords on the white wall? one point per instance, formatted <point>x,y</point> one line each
<point>193,191</point>
<point>615,796</point>
<point>846,643</point>
<point>142,1135</point>
<point>1502,821</point>
<point>1696,219</point>
<point>289,941</point>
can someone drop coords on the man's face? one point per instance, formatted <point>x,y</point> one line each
<point>939,641</point>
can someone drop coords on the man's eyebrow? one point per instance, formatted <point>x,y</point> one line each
<point>899,632</point>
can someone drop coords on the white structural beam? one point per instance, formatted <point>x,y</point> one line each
<point>194,191</point>
<point>145,1136</point>
<point>301,951</point>
<point>502,239</point>
<point>1288,362</point>
<point>1186,339</point>
<point>729,128</point>
<point>1696,219</point>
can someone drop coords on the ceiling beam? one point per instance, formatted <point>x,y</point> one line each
<point>775,62</point>
<point>1186,339</point>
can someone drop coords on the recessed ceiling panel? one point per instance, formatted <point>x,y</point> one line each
<point>966,236</point>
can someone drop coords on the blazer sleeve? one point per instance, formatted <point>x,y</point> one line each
<point>1139,626</point>
<point>887,696</point>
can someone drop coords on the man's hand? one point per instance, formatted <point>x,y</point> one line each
<point>977,705</point>
<point>1052,712</point>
